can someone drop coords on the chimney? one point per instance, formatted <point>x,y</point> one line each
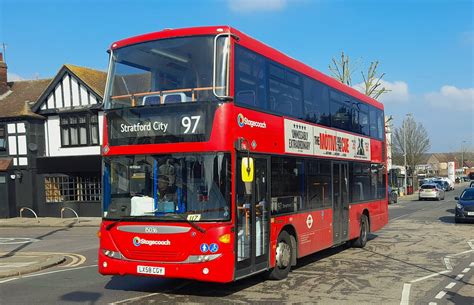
<point>3,75</point>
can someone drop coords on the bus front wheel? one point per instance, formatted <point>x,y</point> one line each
<point>364,232</point>
<point>283,257</point>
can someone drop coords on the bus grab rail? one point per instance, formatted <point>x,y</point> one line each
<point>70,209</point>
<point>28,209</point>
<point>214,65</point>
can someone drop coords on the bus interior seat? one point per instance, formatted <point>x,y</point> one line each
<point>359,191</point>
<point>247,97</point>
<point>174,98</point>
<point>152,100</point>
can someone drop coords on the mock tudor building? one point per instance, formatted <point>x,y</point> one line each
<point>70,167</point>
<point>50,136</point>
<point>21,142</point>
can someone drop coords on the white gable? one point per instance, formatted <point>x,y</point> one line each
<point>68,92</point>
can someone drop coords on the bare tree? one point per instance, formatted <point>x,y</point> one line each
<point>343,69</point>
<point>417,142</point>
<point>372,84</point>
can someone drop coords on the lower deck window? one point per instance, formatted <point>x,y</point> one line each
<point>65,188</point>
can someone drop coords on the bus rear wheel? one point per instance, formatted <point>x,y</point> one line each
<point>283,257</point>
<point>361,241</point>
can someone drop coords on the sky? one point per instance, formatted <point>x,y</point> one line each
<point>425,48</point>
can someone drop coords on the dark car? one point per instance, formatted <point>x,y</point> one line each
<point>443,184</point>
<point>465,206</point>
<point>471,184</point>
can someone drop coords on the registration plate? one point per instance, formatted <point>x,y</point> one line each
<point>470,213</point>
<point>150,270</point>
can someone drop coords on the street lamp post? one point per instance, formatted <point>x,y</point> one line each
<point>405,157</point>
<point>405,184</point>
<point>462,158</point>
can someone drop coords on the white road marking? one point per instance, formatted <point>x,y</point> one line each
<point>432,303</point>
<point>466,270</point>
<point>429,276</point>
<point>471,244</point>
<point>46,273</point>
<point>440,295</point>
<point>450,285</point>
<point>17,240</point>
<point>186,283</point>
<point>461,253</point>
<point>460,276</point>
<point>134,299</point>
<point>405,294</point>
<point>9,280</point>
<point>57,271</point>
<point>471,264</point>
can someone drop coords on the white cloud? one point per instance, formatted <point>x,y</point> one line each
<point>451,97</point>
<point>398,92</point>
<point>257,5</point>
<point>11,77</point>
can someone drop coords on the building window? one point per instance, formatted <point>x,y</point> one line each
<point>3,137</point>
<point>17,143</point>
<point>64,188</point>
<point>79,130</point>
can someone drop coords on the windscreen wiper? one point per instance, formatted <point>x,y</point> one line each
<point>191,223</point>
<point>113,224</point>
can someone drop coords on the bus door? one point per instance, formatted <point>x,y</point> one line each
<point>252,227</point>
<point>340,192</point>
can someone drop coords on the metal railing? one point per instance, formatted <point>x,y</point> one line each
<point>67,208</point>
<point>31,210</point>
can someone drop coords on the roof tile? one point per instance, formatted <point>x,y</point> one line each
<point>16,102</point>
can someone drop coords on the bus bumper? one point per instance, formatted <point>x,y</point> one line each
<point>219,270</point>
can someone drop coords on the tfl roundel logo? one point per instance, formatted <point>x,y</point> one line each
<point>240,120</point>
<point>136,241</point>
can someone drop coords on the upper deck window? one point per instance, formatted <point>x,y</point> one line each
<point>164,71</point>
<point>250,79</point>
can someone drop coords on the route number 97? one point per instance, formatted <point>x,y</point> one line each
<point>190,123</point>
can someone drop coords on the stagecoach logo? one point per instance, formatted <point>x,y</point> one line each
<point>137,241</point>
<point>309,221</point>
<point>242,121</point>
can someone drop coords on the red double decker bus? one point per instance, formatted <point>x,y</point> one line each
<point>223,157</point>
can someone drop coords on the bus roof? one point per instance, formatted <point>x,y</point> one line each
<point>255,46</point>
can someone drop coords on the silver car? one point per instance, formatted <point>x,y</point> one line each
<point>431,191</point>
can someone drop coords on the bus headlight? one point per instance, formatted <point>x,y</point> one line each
<point>112,254</point>
<point>202,258</point>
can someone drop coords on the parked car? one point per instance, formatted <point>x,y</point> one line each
<point>465,206</point>
<point>471,184</point>
<point>443,184</point>
<point>431,191</point>
<point>451,183</point>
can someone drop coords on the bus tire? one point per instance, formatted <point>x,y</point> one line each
<point>283,257</point>
<point>361,241</point>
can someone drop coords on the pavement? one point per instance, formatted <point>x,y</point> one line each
<point>17,263</point>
